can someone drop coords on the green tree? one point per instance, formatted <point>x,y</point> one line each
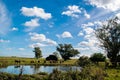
<point>52,57</point>
<point>56,54</point>
<point>97,57</point>
<point>38,52</point>
<point>66,51</point>
<point>109,36</point>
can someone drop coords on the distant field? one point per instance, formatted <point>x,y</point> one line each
<point>29,61</point>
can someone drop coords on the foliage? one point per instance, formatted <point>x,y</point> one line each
<point>52,57</point>
<point>56,54</point>
<point>84,61</point>
<point>38,52</point>
<point>87,73</point>
<point>109,36</point>
<point>92,73</point>
<point>69,75</point>
<point>97,57</point>
<point>66,51</point>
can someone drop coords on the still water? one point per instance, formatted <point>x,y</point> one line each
<point>33,69</point>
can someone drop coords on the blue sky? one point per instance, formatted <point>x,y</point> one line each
<point>25,24</point>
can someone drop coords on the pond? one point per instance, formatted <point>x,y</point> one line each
<point>33,69</point>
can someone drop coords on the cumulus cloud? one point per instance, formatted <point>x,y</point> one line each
<point>37,37</point>
<point>36,12</point>
<point>65,34</point>
<point>80,33</point>
<point>4,41</point>
<point>90,42</point>
<point>14,29</point>
<point>41,40</point>
<point>5,19</point>
<point>112,5</point>
<point>75,11</point>
<point>37,45</point>
<point>33,23</point>
<point>72,11</point>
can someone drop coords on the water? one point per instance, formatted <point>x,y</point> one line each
<point>33,69</point>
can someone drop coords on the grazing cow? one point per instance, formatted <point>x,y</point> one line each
<point>39,61</point>
<point>32,62</point>
<point>44,61</point>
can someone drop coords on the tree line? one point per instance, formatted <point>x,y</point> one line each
<point>109,37</point>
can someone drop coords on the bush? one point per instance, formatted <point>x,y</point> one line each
<point>97,57</point>
<point>84,61</point>
<point>52,57</point>
<point>69,75</point>
<point>92,73</point>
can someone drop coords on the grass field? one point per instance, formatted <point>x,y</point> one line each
<point>113,74</point>
<point>5,61</point>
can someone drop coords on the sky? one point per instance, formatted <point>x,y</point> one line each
<point>25,24</point>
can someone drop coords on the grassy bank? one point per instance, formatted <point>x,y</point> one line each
<point>89,73</point>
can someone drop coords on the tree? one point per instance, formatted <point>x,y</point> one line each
<point>52,57</point>
<point>109,36</point>
<point>56,54</point>
<point>66,51</point>
<point>38,52</point>
<point>97,57</point>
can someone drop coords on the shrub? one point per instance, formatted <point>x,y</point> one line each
<point>52,57</point>
<point>97,57</point>
<point>84,61</point>
<point>92,73</point>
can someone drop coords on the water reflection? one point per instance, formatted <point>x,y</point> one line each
<point>33,69</point>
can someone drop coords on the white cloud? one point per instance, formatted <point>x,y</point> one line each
<point>112,5</point>
<point>75,11</point>
<point>21,49</point>
<point>87,25</point>
<point>37,37</point>
<point>4,41</point>
<point>37,12</point>
<point>86,14</point>
<point>80,33</point>
<point>90,42</point>
<point>51,42</point>
<point>42,40</point>
<point>66,34</point>
<point>82,48</point>
<point>32,24</point>
<point>37,45</point>
<point>14,29</point>
<point>89,30</point>
<point>5,19</point>
<point>72,11</point>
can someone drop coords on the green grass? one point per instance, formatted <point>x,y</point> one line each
<point>6,61</point>
<point>113,74</point>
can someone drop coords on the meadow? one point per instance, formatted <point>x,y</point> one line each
<point>5,61</point>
